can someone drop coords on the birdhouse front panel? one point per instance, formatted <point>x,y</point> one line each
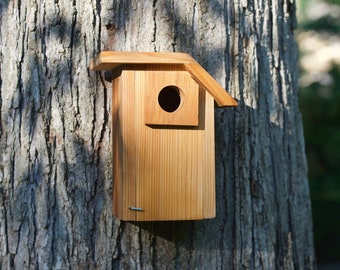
<point>171,96</point>
<point>162,172</point>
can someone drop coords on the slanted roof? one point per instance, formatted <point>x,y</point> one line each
<point>109,60</point>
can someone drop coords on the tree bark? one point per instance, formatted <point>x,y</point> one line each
<point>55,128</point>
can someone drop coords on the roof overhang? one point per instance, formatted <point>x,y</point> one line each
<point>109,60</point>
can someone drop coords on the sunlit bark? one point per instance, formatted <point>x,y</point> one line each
<point>55,163</point>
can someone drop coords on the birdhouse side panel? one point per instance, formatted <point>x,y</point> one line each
<point>208,158</point>
<point>124,112</point>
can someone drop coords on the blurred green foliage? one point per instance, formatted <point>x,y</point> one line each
<point>321,117</point>
<point>329,23</point>
<point>320,107</point>
<point>335,2</point>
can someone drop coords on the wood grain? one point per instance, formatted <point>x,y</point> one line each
<point>221,97</point>
<point>109,60</point>
<point>167,172</point>
<point>154,79</point>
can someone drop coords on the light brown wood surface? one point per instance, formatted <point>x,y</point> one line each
<point>109,60</point>
<point>156,78</point>
<point>168,172</point>
<point>221,97</point>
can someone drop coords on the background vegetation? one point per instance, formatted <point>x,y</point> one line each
<point>319,43</point>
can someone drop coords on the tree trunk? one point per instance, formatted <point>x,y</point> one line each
<point>56,171</point>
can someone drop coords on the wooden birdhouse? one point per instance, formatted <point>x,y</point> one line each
<point>163,135</point>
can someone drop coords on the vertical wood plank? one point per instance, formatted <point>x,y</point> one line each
<point>124,144</point>
<point>171,165</point>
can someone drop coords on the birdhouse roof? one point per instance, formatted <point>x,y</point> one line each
<point>109,60</point>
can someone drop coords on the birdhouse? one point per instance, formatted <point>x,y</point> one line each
<point>162,135</point>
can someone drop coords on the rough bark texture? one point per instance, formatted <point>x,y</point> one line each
<point>55,163</point>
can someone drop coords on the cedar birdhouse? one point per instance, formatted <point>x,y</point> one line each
<point>163,135</point>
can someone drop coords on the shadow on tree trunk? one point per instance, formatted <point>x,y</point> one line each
<point>56,171</point>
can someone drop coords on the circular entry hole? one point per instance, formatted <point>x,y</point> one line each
<point>169,98</point>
